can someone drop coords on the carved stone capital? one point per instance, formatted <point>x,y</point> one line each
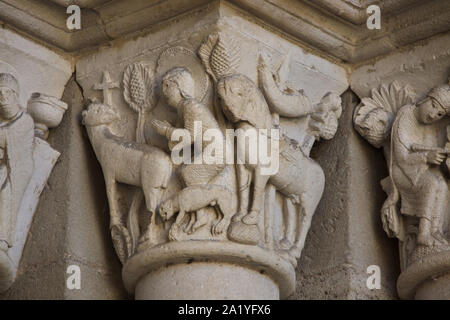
<point>189,213</point>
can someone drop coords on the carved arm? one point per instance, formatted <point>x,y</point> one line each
<point>285,104</point>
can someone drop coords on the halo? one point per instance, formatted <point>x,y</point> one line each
<point>181,57</point>
<point>7,68</point>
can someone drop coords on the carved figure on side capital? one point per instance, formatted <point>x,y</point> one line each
<point>16,156</point>
<point>415,143</point>
<point>23,152</point>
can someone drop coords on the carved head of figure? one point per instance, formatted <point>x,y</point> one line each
<point>99,114</point>
<point>324,121</point>
<point>243,101</point>
<point>177,84</point>
<point>166,209</point>
<point>435,106</point>
<point>9,95</point>
<point>374,125</point>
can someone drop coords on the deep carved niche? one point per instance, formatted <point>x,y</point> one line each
<point>159,205</point>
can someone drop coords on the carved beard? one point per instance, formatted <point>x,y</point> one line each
<point>375,135</point>
<point>9,111</point>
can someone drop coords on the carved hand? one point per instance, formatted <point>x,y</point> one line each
<point>161,126</point>
<point>435,157</point>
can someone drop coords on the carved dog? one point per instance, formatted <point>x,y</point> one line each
<point>123,161</point>
<point>194,198</point>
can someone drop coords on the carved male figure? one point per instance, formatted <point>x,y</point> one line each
<point>416,170</point>
<point>16,156</point>
<point>178,89</point>
<point>299,177</point>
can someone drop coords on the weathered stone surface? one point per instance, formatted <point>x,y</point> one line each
<point>70,223</point>
<point>176,204</point>
<point>407,119</point>
<point>149,68</point>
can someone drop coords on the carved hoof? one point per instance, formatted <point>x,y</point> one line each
<point>243,233</point>
<point>122,241</point>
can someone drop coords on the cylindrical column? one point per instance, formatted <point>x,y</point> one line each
<point>202,270</point>
<point>435,289</point>
<point>206,281</point>
<point>426,278</point>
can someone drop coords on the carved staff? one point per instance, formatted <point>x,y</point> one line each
<point>447,146</point>
<point>421,148</point>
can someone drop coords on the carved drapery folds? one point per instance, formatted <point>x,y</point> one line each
<point>414,137</point>
<point>160,205</point>
<point>26,161</point>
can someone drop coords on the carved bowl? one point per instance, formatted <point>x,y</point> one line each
<point>46,110</point>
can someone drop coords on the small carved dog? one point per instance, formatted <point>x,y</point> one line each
<point>194,198</point>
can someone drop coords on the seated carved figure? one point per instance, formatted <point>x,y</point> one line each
<point>178,89</point>
<point>416,172</point>
<point>16,156</point>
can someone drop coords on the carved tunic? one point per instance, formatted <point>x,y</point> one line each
<point>17,136</point>
<point>190,112</point>
<point>419,184</point>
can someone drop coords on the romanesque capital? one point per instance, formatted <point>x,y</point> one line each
<point>208,181</point>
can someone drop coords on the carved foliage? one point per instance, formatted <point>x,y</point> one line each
<point>220,55</point>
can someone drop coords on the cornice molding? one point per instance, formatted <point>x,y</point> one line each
<point>336,28</point>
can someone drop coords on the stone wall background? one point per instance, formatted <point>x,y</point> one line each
<point>346,234</point>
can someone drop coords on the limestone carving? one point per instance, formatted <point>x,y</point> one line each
<point>414,138</point>
<point>197,183</point>
<point>22,169</point>
<point>138,91</point>
<point>299,178</point>
<point>116,157</point>
<point>46,111</point>
<point>197,197</point>
<point>178,90</point>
